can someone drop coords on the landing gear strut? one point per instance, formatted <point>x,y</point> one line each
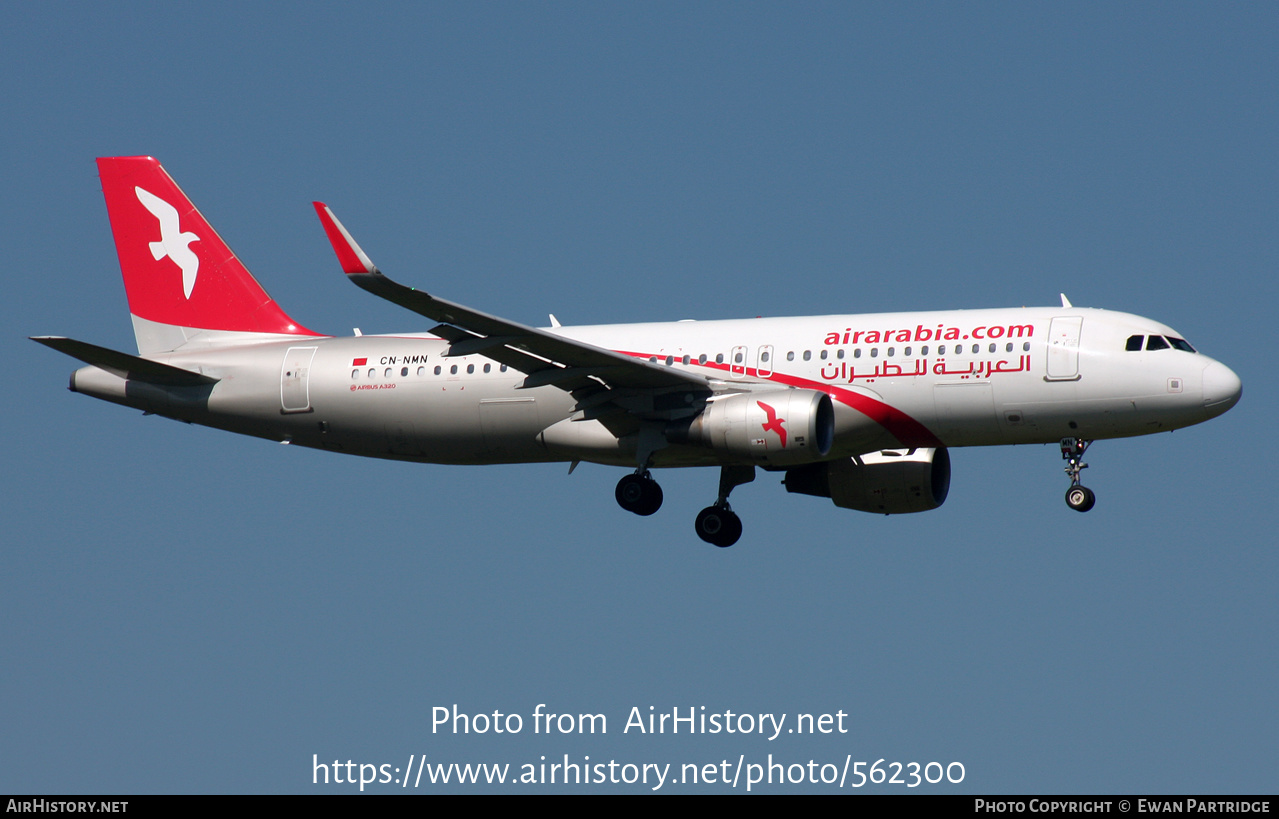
<point>1078,497</point>
<point>639,493</point>
<point>718,524</point>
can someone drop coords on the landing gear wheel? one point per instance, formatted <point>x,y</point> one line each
<point>639,494</point>
<point>1080,498</point>
<point>718,526</point>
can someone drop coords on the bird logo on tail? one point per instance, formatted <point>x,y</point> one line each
<point>173,242</point>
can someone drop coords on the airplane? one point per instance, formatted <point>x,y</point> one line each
<point>860,409</point>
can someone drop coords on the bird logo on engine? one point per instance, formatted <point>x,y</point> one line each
<point>774,423</point>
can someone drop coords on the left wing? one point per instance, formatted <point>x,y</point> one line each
<point>544,357</point>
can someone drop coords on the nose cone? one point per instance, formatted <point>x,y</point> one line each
<point>1222,387</point>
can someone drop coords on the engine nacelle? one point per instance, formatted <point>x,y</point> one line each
<point>890,482</point>
<point>776,427</point>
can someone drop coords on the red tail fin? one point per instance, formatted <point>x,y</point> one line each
<point>177,270</point>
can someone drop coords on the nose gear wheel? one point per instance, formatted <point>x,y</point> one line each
<point>1078,497</point>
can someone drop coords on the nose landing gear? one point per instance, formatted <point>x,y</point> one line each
<point>1078,497</point>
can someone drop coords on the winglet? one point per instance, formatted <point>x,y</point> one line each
<point>354,261</point>
<point>1065,302</point>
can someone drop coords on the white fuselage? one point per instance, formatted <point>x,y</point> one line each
<point>955,378</point>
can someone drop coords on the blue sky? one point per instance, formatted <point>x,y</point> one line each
<point>190,611</point>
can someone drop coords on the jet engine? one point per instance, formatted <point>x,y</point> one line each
<point>890,482</point>
<point>774,428</point>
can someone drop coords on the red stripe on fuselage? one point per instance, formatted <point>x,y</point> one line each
<point>900,425</point>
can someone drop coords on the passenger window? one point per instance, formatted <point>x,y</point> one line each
<point>701,359</point>
<point>906,352</point>
<point>421,370</point>
<point>404,371</point>
<point>808,355</point>
<point>890,352</point>
<point>719,358</point>
<point>453,370</point>
<point>670,359</point>
<point>874,352</point>
<point>923,350</point>
<point>685,359</point>
<point>502,368</point>
<point>857,352</point>
<point>790,356</point>
<point>1025,346</point>
<point>1009,348</point>
<point>372,373</point>
<point>355,374</point>
<point>387,373</point>
<point>737,359</point>
<point>993,347</point>
<point>437,369</point>
<point>488,368</point>
<point>1134,343</point>
<point>823,355</point>
<point>764,356</point>
<point>941,350</point>
<point>1156,343</point>
<point>839,353</point>
<point>470,368</point>
<point>976,349</point>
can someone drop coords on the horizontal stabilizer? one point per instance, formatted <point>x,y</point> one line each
<point>126,366</point>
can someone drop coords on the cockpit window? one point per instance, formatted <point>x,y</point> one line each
<point>1134,343</point>
<point>1156,343</point>
<point>1181,344</point>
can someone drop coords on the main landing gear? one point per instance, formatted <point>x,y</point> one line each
<point>717,524</point>
<point>639,493</point>
<point>1078,497</point>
